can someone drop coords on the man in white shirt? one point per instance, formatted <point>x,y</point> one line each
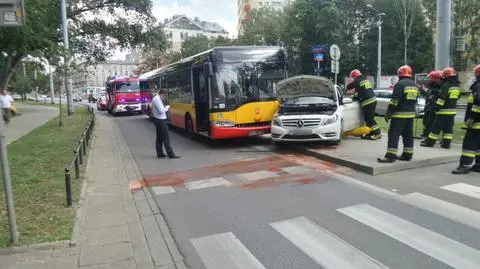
<point>160,119</point>
<point>6,101</point>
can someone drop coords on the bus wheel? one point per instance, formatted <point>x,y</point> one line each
<point>189,126</point>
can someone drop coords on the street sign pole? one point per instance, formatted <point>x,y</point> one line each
<point>335,56</point>
<point>11,15</point>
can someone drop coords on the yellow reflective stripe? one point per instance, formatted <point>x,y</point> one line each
<point>448,137</point>
<point>392,151</point>
<point>369,101</point>
<point>375,127</point>
<point>476,126</point>
<point>393,102</point>
<point>447,112</point>
<point>403,115</point>
<point>440,102</point>
<point>454,93</point>
<point>476,109</point>
<point>468,153</point>
<point>433,136</point>
<point>408,150</point>
<point>470,99</point>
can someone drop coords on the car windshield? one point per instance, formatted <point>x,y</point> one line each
<point>237,84</point>
<point>307,100</point>
<point>131,86</point>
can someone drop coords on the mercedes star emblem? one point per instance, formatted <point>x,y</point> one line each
<point>300,123</point>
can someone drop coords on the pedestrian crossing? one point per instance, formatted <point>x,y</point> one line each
<point>330,251</point>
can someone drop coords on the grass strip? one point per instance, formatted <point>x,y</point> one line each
<point>36,164</point>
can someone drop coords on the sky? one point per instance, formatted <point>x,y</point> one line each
<point>223,12</point>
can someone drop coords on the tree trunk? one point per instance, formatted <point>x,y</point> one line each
<point>7,70</point>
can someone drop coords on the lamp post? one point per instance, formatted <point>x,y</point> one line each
<point>379,60</point>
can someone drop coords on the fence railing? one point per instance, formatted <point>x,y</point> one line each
<point>79,155</point>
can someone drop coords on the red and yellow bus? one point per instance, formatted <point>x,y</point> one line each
<point>226,92</point>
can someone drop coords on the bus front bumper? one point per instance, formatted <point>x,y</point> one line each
<point>238,132</point>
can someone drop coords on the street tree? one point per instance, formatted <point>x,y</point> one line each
<point>197,44</point>
<point>406,12</point>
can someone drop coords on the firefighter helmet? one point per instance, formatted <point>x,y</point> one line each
<point>435,75</point>
<point>449,72</point>
<point>405,71</point>
<point>355,73</point>
<point>477,70</point>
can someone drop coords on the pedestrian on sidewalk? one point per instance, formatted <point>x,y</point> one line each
<point>160,119</point>
<point>6,102</point>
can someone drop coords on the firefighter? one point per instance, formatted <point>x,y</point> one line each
<point>471,141</point>
<point>434,85</point>
<point>364,93</point>
<point>402,112</point>
<point>445,110</point>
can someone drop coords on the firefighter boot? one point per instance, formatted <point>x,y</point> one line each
<point>389,158</point>
<point>461,170</point>
<point>446,143</point>
<point>405,157</point>
<point>476,168</point>
<point>428,143</point>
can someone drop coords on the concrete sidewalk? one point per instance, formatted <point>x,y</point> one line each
<point>31,118</point>
<point>118,223</point>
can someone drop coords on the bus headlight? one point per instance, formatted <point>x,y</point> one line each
<point>277,122</point>
<point>330,120</point>
<point>223,123</point>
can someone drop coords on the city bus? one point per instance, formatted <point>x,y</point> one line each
<point>123,94</point>
<point>225,92</point>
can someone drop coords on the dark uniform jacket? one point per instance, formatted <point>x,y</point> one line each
<point>449,95</point>
<point>473,106</point>
<point>403,103</point>
<point>432,95</point>
<point>363,90</point>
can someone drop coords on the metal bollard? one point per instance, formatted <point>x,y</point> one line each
<point>77,167</point>
<point>80,154</point>
<point>68,186</point>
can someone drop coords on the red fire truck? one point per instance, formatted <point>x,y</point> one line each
<point>123,95</point>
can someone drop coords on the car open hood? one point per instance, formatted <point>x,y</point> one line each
<point>305,85</point>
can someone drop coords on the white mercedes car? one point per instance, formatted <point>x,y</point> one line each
<point>313,109</point>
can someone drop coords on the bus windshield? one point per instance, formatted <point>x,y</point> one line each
<point>125,87</point>
<point>240,83</point>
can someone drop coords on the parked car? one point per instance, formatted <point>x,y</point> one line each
<point>383,99</point>
<point>313,109</point>
<point>77,98</point>
<point>102,103</point>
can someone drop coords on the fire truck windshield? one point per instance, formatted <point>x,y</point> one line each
<point>131,86</point>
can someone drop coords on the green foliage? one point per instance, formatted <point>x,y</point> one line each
<point>198,44</point>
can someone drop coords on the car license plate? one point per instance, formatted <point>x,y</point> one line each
<point>300,132</point>
<point>252,133</point>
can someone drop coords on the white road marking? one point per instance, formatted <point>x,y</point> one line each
<point>225,251</point>
<point>465,189</point>
<point>325,248</point>
<point>207,183</point>
<point>433,244</point>
<point>159,190</point>
<point>257,175</point>
<point>445,209</point>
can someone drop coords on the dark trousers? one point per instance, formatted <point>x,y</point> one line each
<point>6,115</point>
<point>404,128</point>
<point>444,124</point>
<point>428,120</point>
<point>369,117</point>
<point>471,148</point>
<point>163,138</point>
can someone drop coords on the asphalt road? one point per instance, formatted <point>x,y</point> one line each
<point>242,204</point>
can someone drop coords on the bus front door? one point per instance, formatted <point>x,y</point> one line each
<point>200,89</point>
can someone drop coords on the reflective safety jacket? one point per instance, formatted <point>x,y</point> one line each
<point>432,95</point>
<point>473,107</point>
<point>449,95</point>
<point>363,90</point>
<point>403,103</point>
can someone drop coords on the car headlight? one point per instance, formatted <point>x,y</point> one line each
<point>223,123</point>
<point>330,120</point>
<point>277,122</point>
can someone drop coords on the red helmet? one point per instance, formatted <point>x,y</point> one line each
<point>405,71</point>
<point>477,70</point>
<point>355,73</point>
<point>449,72</point>
<point>435,75</point>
